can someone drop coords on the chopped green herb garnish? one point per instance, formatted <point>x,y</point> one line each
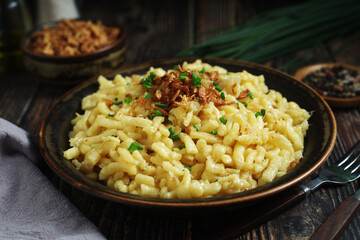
<point>218,88</point>
<point>222,95</point>
<point>127,100</point>
<point>157,113</point>
<point>245,104</point>
<point>171,130</point>
<point>162,105</point>
<point>183,75</point>
<point>196,127</point>
<point>117,103</point>
<point>215,84</point>
<point>111,115</point>
<point>188,168</point>
<point>251,95</point>
<point>175,137</point>
<point>197,99</point>
<point>152,75</point>
<point>147,82</point>
<point>213,132</point>
<point>128,84</point>
<point>150,117</point>
<point>134,146</point>
<point>147,96</point>
<point>202,70</point>
<point>181,146</point>
<point>260,113</point>
<point>223,120</point>
<point>136,98</point>
<point>216,180</point>
<point>196,80</point>
<point>176,68</point>
<point>116,99</point>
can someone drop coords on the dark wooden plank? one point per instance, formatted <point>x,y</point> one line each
<point>16,94</point>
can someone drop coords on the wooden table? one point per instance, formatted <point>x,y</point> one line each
<point>157,31</point>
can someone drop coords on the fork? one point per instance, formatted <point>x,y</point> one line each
<point>346,170</point>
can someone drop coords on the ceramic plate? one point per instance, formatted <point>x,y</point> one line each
<point>319,141</point>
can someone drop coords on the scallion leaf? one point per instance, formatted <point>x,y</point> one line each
<point>181,147</point>
<point>213,132</point>
<point>218,88</point>
<point>183,75</point>
<point>171,130</point>
<point>132,147</point>
<point>196,80</point>
<point>147,96</point>
<point>196,127</point>
<point>222,95</point>
<point>127,100</point>
<point>117,103</point>
<point>202,70</point>
<point>162,105</point>
<point>223,120</point>
<point>111,115</point>
<point>188,168</point>
<point>175,137</point>
<point>245,104</point>
<point>260,113</point>
<point>157,113</point>
<point>251,95</point>
<point>135,145</point>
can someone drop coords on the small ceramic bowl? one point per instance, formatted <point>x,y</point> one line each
<point>73,69</point>
<point>336,102</point>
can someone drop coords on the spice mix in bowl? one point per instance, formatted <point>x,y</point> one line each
<point>337,83</point>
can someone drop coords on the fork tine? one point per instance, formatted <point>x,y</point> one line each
<point>358,166</point>
<point>348,155</point>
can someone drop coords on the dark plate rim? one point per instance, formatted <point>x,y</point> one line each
<point>184,203</point>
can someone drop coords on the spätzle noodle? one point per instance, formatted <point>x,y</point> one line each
<point>194,131</point>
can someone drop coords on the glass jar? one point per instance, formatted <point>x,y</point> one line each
<point>15,21</point>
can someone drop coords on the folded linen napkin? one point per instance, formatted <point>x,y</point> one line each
<point>30,206</point>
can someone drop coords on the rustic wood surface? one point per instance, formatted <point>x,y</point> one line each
<point>157,30</point>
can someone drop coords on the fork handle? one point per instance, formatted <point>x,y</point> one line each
<point>258,214</point>
<point>336,223</point>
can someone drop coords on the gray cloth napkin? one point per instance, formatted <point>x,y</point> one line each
<point>30,206</point>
